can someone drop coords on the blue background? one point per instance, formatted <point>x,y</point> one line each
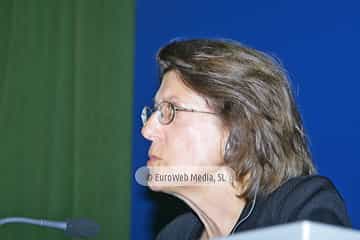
<point>318,43</point>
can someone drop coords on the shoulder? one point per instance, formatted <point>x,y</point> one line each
<point>304,185</point>
<point>182,227</point>
<point>312,198</point>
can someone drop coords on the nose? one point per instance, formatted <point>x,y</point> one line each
<point>150,130</point>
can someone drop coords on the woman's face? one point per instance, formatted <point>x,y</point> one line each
<point>192,139</point>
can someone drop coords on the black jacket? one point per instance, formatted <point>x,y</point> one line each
<point>302,198</point>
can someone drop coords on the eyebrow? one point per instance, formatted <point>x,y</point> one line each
<point>172,99</point>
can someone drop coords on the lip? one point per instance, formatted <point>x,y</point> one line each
<point>153,158</point>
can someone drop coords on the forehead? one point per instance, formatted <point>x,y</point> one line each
<point>173,89</point>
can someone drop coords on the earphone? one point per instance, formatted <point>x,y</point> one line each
<point>251,210</point>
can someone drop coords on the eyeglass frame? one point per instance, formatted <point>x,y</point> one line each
<point>174,108</point>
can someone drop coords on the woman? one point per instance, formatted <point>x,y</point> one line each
<point>223,104</point>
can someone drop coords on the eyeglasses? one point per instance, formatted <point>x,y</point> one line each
<point>167,112</point>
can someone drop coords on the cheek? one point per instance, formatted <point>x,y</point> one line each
<point>197,144</point>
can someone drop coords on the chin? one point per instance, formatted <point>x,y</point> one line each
<point>155,187</point>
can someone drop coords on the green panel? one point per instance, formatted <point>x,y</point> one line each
<point>66,70</point>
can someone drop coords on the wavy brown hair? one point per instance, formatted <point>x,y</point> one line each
<point>250,91</point>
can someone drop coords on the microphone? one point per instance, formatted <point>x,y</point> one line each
<point>80,228</point>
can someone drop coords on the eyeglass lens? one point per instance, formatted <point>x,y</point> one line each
<point>166,113</point>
